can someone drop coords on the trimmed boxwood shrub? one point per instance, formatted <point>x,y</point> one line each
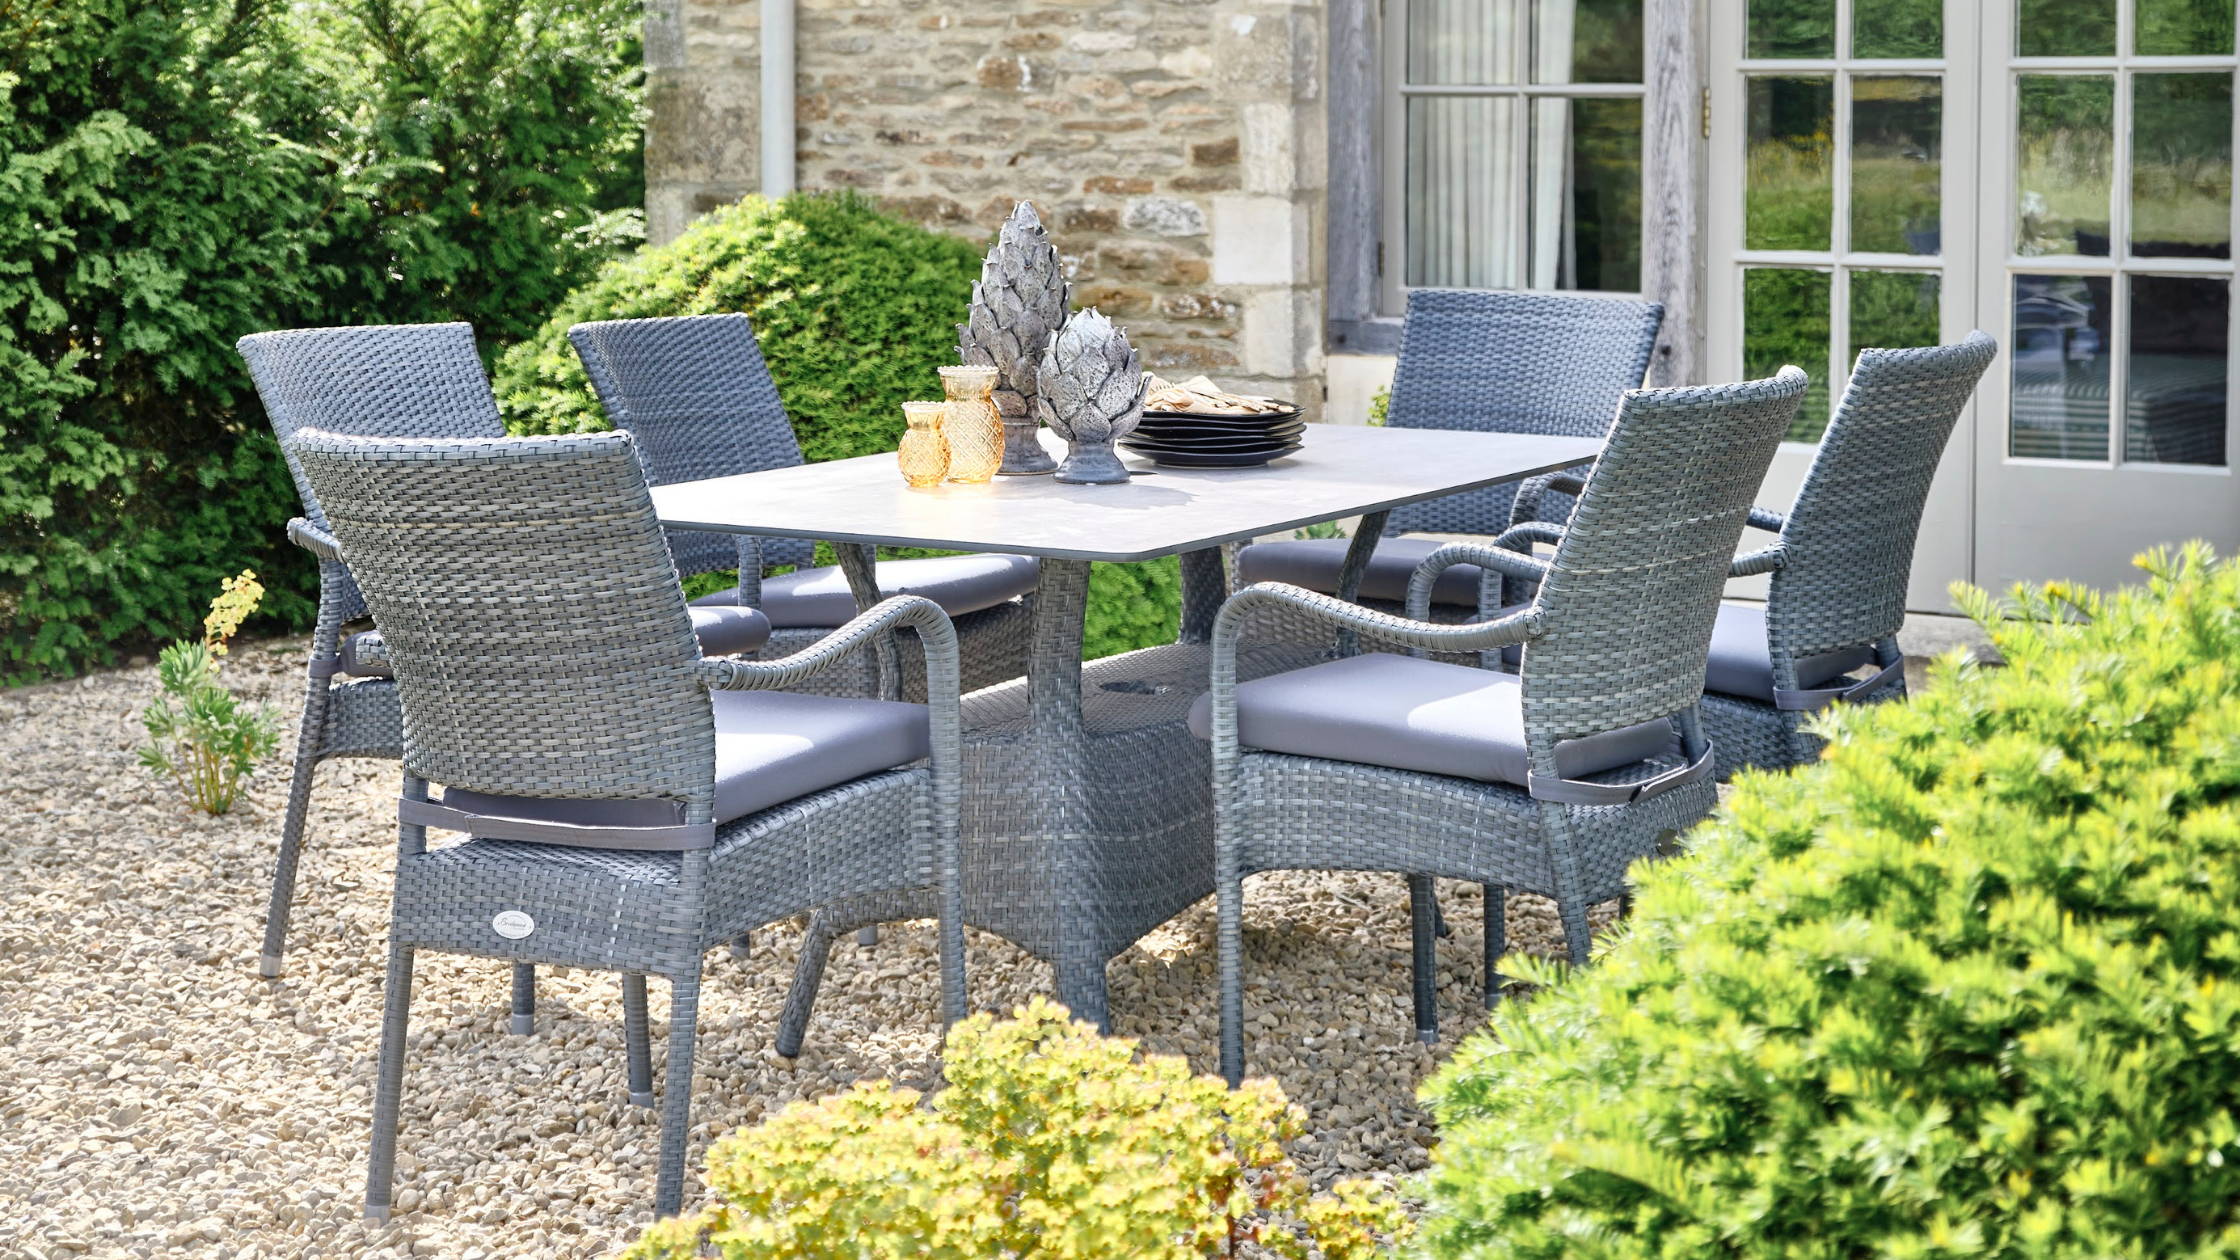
<point>1967,987</point>
<point>854,310</point>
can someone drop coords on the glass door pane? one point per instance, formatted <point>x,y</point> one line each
<point>1897,132</point>
<point>2178,359</point>
<point>1790,184</point>
<point>2060,353</point>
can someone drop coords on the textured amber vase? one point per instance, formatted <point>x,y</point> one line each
<point>924,453</point>
<point>973,425</point>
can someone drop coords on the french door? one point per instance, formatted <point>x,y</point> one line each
<point>2055,172</point>
<point>1840,211</point>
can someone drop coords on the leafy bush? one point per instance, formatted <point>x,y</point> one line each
<point>1969,986</point>
<point>199,735</point>
<point>176,173</point>
<point>1049,1141</point>
<point>854,310</point>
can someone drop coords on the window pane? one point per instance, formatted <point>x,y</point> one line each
<point>1586,195</point>
<point>2065,147</point>
<point>1462,41</point>
<point>1789,195</point>
<point>2177,28</point>
<point>1896,129</point>
<point>1462,173</point>
<point>1897,28</point>
<point>2174,412</point>
<point>2181,165</point>
<point>1785,320</point>
<point>1893,309</point>
<point>2060,343</point>
<point>2065,28</point>
<point>1792,28</point>
<point>1586,41</point>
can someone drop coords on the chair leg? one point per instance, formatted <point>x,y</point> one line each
<point>1497,940</point>
<point>1578,938</point>
<point>292,822</point>
<point>954,994</point>
<point>676,1109</point>
<point>1423,915</point>
<point>524,999</point>
<point>388,1085</point>
<point>1228,893</point>
<point>741,946</point>
<point>1082,990</point>
<point>868,935</point>
<point>636,1040</point>
<point>808,974</point>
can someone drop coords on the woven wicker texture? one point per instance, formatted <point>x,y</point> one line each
<point>469,549</point>
<point>1619,633</point>
<point>697,393</point>
<point>1846,547</point>
<point>1511,363</point>
<point>411,380</point>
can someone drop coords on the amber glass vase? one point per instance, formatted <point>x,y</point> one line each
<point>924,453</point>
<point>972,424</point>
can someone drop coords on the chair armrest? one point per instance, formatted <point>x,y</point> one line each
<point>1515,564</point>
<point>865,631</point>
<point>1763,560</point>
<point>1768,520</point>
<point>315,540</point>
<point>1439,636</point>
<point>1526,506</point>
<point>1527,532</point>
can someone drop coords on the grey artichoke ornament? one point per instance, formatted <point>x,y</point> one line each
<point>1019,300</point>
<point>1090,392</point>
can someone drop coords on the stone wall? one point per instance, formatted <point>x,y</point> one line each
<point>1174,148</point>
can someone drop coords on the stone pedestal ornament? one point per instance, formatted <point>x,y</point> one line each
<point>1019,300</point>
<point>1090,392</point>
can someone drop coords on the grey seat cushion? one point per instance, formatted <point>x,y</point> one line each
<point>771,746</point>
<point>1411,714</point>
<point>1314,563</point>
<point>721,631</point>
<point>1742,665</point>
<point>815,598</point>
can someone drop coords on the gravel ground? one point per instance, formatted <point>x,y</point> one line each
<point>156,1098</point>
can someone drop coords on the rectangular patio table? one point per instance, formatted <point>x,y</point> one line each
<point>1088,804</point>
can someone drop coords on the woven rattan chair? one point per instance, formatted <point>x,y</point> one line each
<point>558,710</point>
<point>1552,780</point>
<point>1491,363</point>
<point>405,380</point>
<point>697,394</point>
<point>1840,565</point>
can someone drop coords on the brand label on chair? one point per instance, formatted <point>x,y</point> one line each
<point>512,924</point>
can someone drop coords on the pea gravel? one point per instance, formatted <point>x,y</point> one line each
<point>158,1099</point>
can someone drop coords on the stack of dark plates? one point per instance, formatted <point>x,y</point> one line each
<point>1187,439</point>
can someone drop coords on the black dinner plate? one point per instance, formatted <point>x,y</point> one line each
<point>1208,448</point>
<point>1190,430</point>
<point>1216,459</point>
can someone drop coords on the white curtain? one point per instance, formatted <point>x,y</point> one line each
<point>1555,238</point>
<point>1463,153</point>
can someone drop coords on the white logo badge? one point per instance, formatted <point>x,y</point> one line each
<point>512,924</point>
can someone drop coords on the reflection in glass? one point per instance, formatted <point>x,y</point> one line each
<point>1785,320</point>
<point>1462,41</point>
<point>1586,41</point>
<point>1897,28</point>
<point>2178,364</point>
<point>1893,309</point>
<point>1463,169</point>
<point>1586,194</point>
<point>1792,28</point>
<point>2179,28</point>
<point>1895,133</point>
<point>1789,191</point>
<point>2064,163</point>
<point>2065,28</point>
<point>2181,165</point>
<point>2060,349</point>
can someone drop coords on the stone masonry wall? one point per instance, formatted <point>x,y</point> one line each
<point>1174,148</point>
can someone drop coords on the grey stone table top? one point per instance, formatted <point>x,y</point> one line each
<point>1343,470</point>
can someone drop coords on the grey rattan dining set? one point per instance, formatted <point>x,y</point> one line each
<point>637,778</point>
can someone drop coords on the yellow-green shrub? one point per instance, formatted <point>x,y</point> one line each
<point>1049,1142</point>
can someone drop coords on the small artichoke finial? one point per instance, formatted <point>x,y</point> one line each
<point>1090,392</point>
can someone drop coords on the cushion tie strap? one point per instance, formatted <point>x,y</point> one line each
<point>665,839</point>
<point>1805,701</point>
<point>1581,792</point>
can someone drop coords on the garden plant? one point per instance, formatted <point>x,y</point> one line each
<point>200,735</point>
<point>1970,986</point>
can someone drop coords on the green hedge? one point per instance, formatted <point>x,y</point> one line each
<point>176,173</point>
<point>1971,986</point>
<point>854,311</point>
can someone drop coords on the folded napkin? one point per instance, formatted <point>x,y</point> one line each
<point>1201,396</point>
